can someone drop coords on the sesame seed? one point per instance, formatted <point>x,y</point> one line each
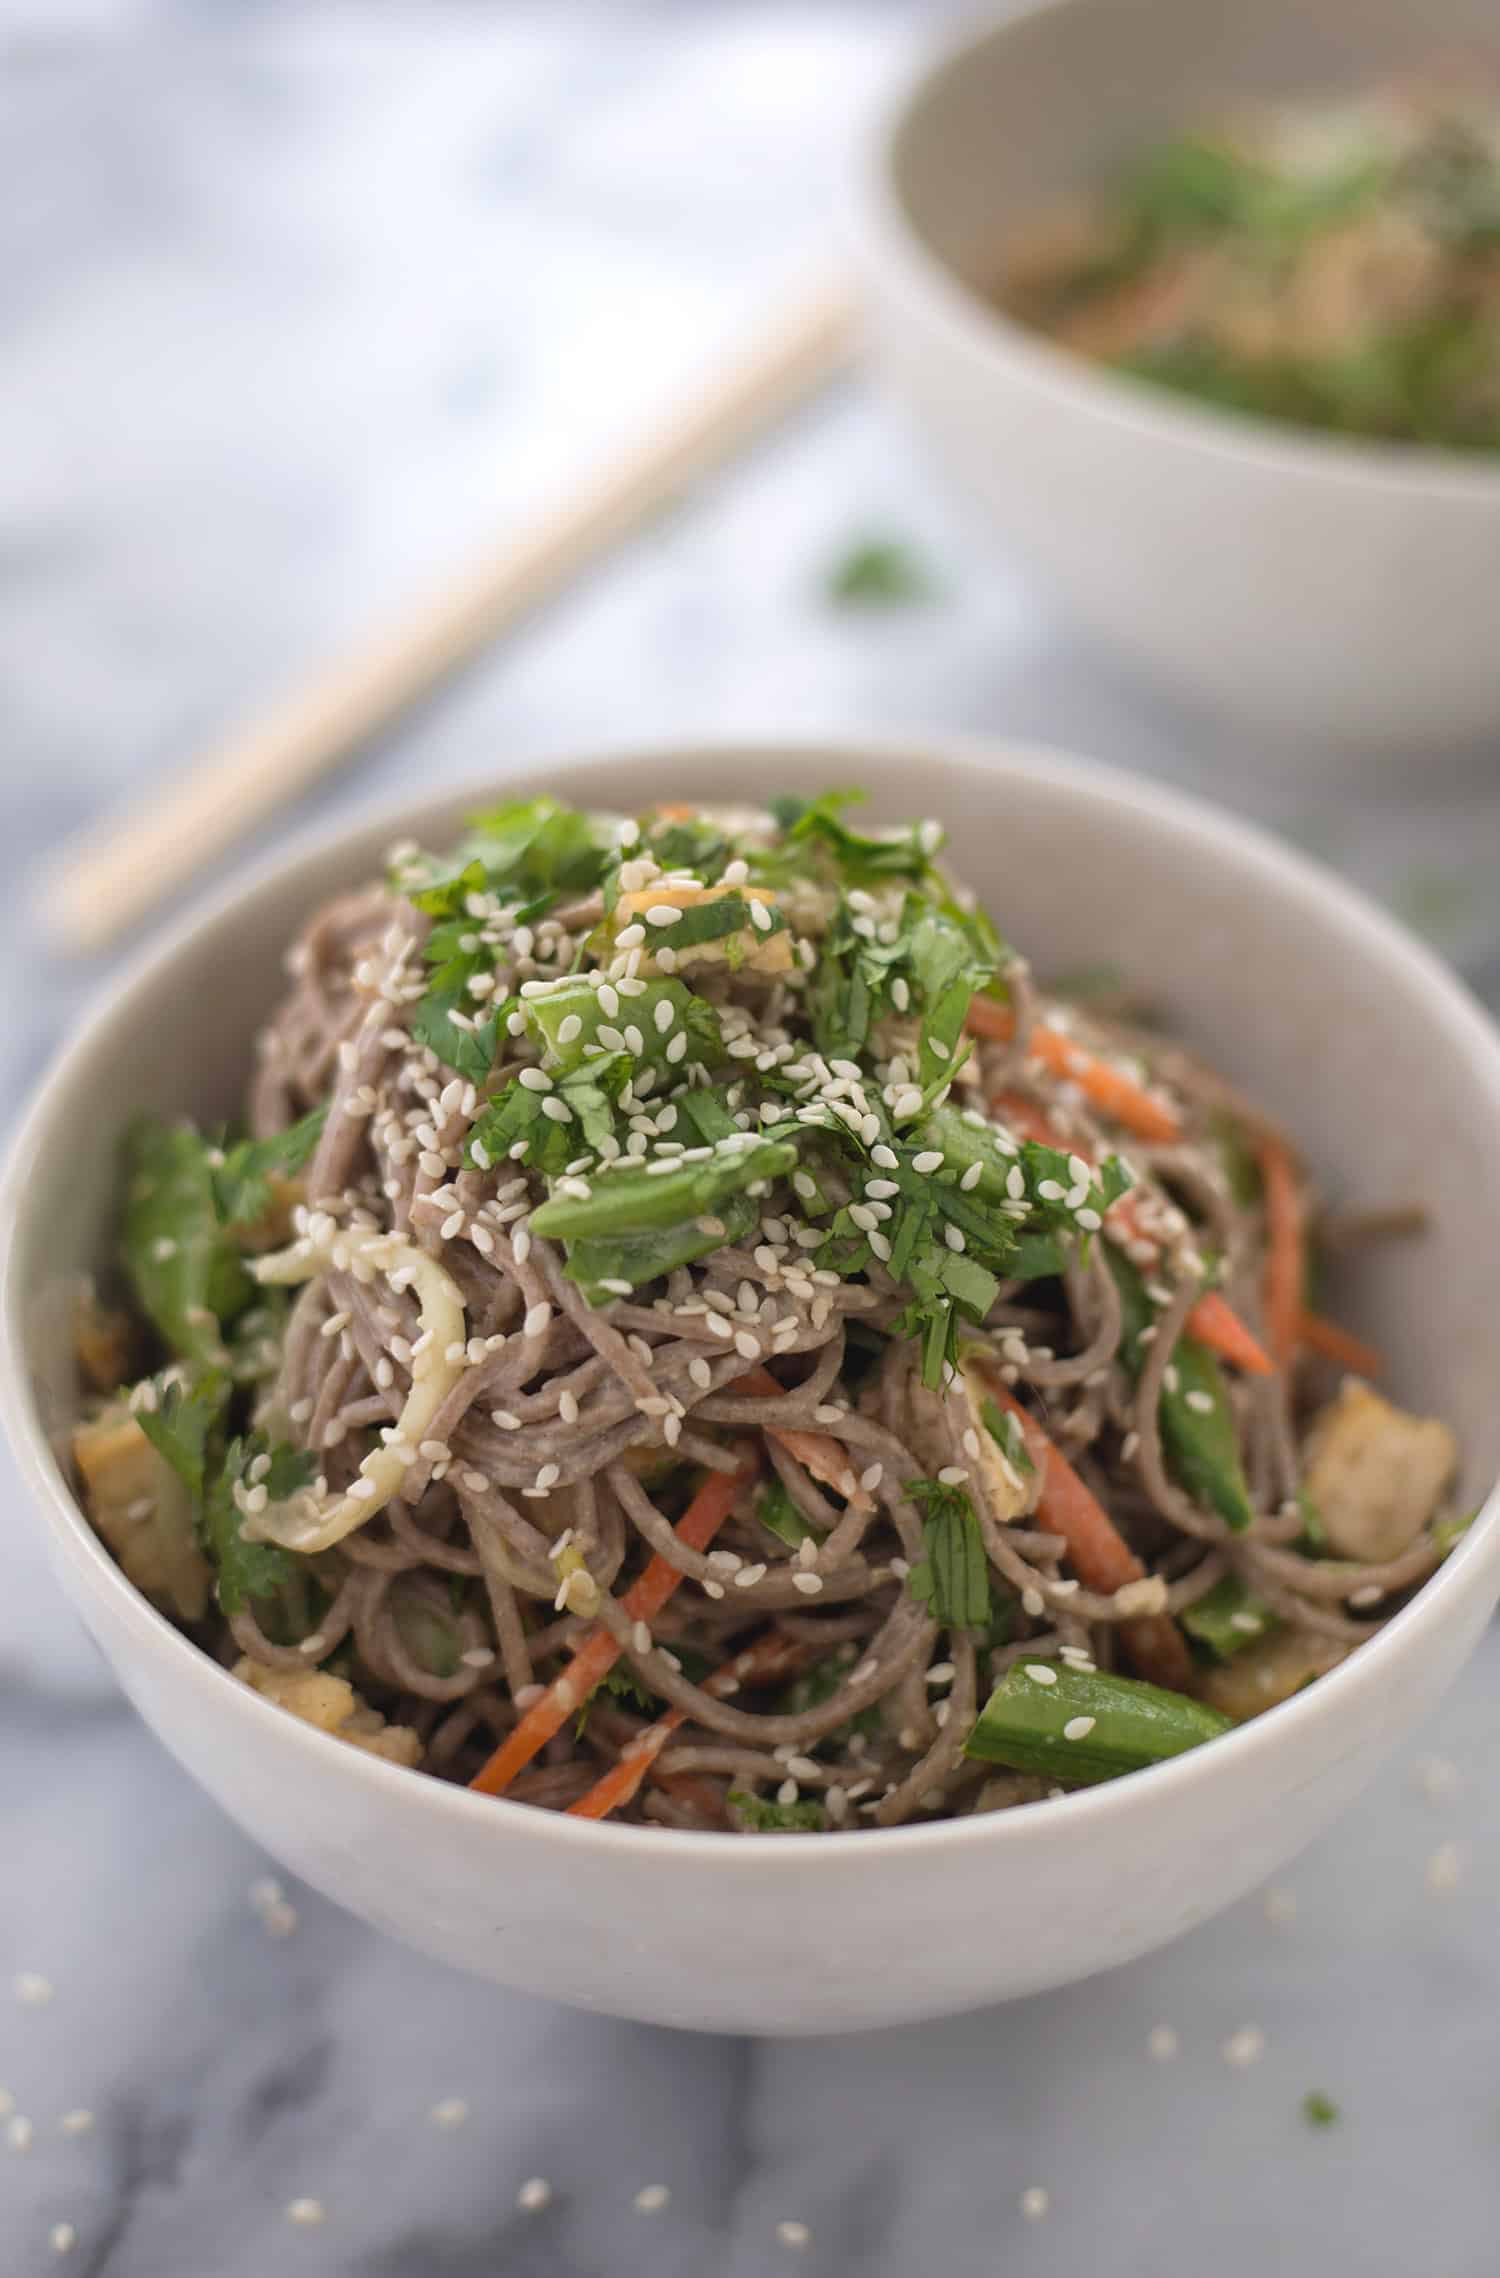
<point>77,2123</point>
<point>1244,2048</point>
<point>535,1080</point>
<point>451,2113</point>
<point>1445,1870</point>
<point>1040,1674</point>
<point>952,1475</point>
<point>1078,1728</point>
<point>32,1990</point>
<point>1162,2042</point>
<point>1201,1403</point>
<point>62,2238</point>
<point>1034,2203</point>
<point>19,2132</point>
<point>305,2211</point>
<point>794,2234</point>
<point>663,913</point>
<point>810,1585</point>
<point>929,1160</point>
<point>651,2198</point>
<point>535,2194</point>
<point>538,1318</point>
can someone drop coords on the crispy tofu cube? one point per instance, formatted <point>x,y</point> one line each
<point>1269,1672</point>
<point>1376,1473</point>
<point>142,1512</point>
<point>332,1705</point>
<point>755,952</point>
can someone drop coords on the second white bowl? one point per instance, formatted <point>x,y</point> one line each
<point>1328,589</point>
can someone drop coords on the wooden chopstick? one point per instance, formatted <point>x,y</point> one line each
<point>119,870</point>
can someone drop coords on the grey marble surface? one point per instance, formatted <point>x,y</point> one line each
<point>297,302</point>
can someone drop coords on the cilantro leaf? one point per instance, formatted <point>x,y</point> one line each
<point>242,1182</point>
<point>775,1510</point>
<point>882,572</point>
<point>1007,1436</point>
<point>183,1423</point>
<point>250,1571</point>
<point>761,1817</point>
<point>861,860</point>
<point>953,1580</point>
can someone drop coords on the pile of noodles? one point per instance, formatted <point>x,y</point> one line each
<point>558,1420</point>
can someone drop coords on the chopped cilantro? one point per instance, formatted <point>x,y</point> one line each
<point>880,572</point>
<point>1008,1437</point>
<point>953,1579</point>
<point>762,1818</point>
<point>183,1424</point>
<point>775,1509</point>
<point>251,1570</point>
<point>1318,2110</point>
<point>860,860</point>
<point>242,1182</point>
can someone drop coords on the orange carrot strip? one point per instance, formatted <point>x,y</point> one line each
<point>1321,1335</point>
<point>818,1452</point>
<point>1109,1088</point>
<point>623,1780</point>
<point>1097,1551</point>
<point>599,1652</point>
<point>1213,1321</point>
<point>770,1656</point>
<point>1284,1249</point>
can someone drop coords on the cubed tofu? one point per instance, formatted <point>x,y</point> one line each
<point>752,950</point>
<point>332,1705</point>
<point>1375,1473</point>
<point>102,1338</point>
<point>142,1512</point>
<point>1271,1671</point>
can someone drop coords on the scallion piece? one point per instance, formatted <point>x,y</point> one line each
<point>1080,1726</point>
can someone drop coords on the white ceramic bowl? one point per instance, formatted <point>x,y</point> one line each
<point>1329,589</point>
<point>1390,1074</point>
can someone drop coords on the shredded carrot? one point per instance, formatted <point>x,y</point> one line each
<point>771,1656</point>
<point>599,1652</point>
<point>1213,1321</point>
<point>1109,1088</point>
<point>818,1452</point>
<point>1097,1551</point>
<point>1320,1335</point>
<point>1284,1249</point>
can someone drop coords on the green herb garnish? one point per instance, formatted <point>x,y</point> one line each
<point>804,1817</point>
<point>953,1579</point>
<point>882,573</point>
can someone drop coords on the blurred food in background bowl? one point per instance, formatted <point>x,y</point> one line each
<point>1326,584</point>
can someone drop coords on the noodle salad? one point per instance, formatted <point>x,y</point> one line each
<point>691,1332</point>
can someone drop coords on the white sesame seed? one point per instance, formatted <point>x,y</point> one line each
<point>534,2195</point>
<point>1034,2203</point>
<point>1078,1728</point>
<point>651,2198</point>
<point>451,2113</point>
<point>663,913</point>
<point>536,1080</point>
<point>952,1475</point>
<point>794,2234</point>
<point>1244,2048</point>
<point>76,2123</point>
<point>931,1159</point>
<point>810,1585</point>
<point>32,1990</point>
<point>1438,1778</point>
<point>62,2238</point>
<point>1162,2042</point>
<point>19,2132</point>
<point>1040,1674</point>
<point>538,1318</point>
<point>305,2211</point>
<point>1445,1870</point>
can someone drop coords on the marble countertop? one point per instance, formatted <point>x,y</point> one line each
<point>297,303</point>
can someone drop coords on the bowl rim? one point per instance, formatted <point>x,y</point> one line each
<point>1215,831</point>
<point>894,242</point>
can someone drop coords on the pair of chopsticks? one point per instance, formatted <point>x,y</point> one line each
<point>122,868</point>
